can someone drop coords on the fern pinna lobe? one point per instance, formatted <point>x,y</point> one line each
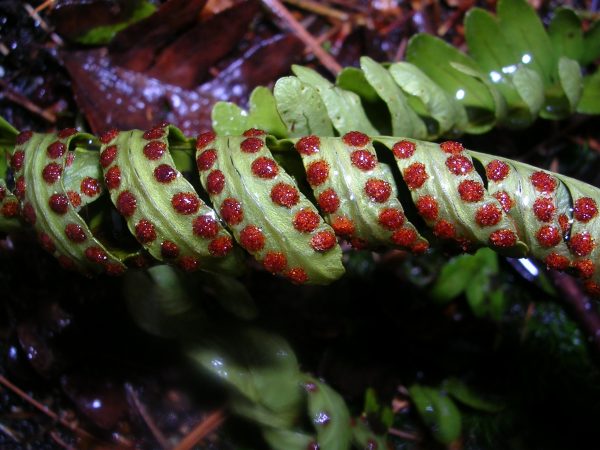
<point>514,208</point>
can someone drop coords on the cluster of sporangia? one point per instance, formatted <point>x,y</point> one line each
<point>519,210</point>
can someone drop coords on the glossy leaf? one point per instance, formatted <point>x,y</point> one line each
<point>566,34</point>
<point>590,97</point>
<point>466,395</point>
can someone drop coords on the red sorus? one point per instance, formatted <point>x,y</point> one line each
<point>444,229</point>
<point>2,192</point>
<point>232,211</point>
<point>308,145</point>
<point>317,172</point>
<point>59,203</point>
<point>404,149</point>
<point>420,247</point>
<point>126,203</point>
<point>264,167</point>
<point>145,232</point>
<point>215,182</point>
<point>543,182</point>
<point>471,191</point>
<point>404,237</point>
<point>563,221</point>
<point>544,208</point>
<point>70,158</point>
<point>251,145</point>
<point>112,177</point>
<point>328,201</point>
<point>459,164</point>
<point>154,150</point>
<point>66,262</point>
<point>488,215</point>
<point>505,200</point>
<point>378,190</point>
<point>188,263</point>
<point>204,139</point>
<point>154,133</point>
<point>109,135</point>
<point>497,170</point>
<point>169,249</point>
<point>164,173</point>
<point>343,226</point>
<point>17,159</point>
<point>51,173</point>
<point>297,275</point>
<point>205,226</point>
<point>548,236</point>
<point>90,186</point>
<point>359,243</point>
<point>23,137</point>
<point>592,288</point>
<point>108,155</point>
<point>75,233</point>
<point>220,246</point>
<point>415,175</point>
<point>391,218</point>
<point>428,207</point>
<point>66,132</point>
<point>557,262</point>
<point>585,268</point>
<point>356,139</point>
<point>585,209</point>
<point>254,132</point>
<point>581,244</point>
<point>46,242</point>
<point>56,149</point>
<point>452,147</point>
<point>29,214</point>
<point>363,159</point>
<point>306,221</point>
<point>74,198</point>
<point>20,186</point>
<point>10,209</point>
<point>185,203</point>
<point>503,238</point>
<point>284,194</point>
<point>323,241</point>
<point>206,159</point>
<point>96,255</point>
<point>114,269</point>
<point>274,262</point>
<point>252,238</point>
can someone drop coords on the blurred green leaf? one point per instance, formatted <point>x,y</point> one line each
<point>590,98</point>
<point>438,412</point>
<point>104,34</point>
<point>263,113</point>
<point>591,44</point>
<point>228,119</point>
<point>466,395</point>
<point>566,34</point>
<point>282,439</point>
<point>330,417</point>
<point>569,73</point>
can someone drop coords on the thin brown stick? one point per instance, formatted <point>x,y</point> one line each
<point>581,306</point>
<point>23,101</point>
<point>203,429</point>
<point>320,9</point>
<point>143,412</point>
<point>47,411</point>
<point>404,434</point>
<point>325,58</point>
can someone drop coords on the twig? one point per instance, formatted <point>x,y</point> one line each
<point>203,429</point>
<point>325,58</point>
<point>404,434</point>
<point>143,412</point>
<point>43,25</point>
<point>320,9</point>
<point>47,411</point>
<point>10,433</point>
<point>584,309</point>
<point>23,101</point>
